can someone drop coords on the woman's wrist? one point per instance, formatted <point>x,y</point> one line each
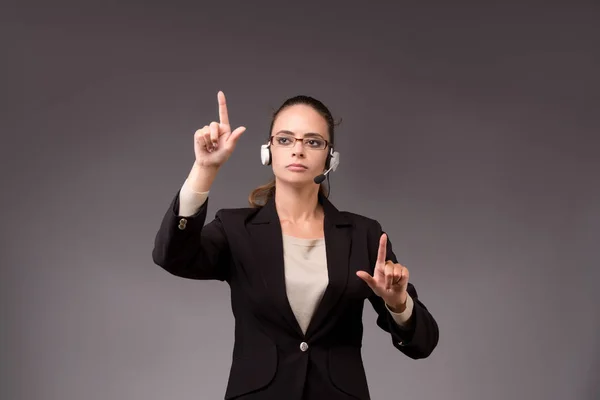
<point>201,178</point>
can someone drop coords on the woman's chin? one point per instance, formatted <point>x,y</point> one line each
<point>297,180</point>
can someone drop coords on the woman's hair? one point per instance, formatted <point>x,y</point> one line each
<point>260,195</point>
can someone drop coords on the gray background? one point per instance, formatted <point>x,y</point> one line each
<point>469,132</point>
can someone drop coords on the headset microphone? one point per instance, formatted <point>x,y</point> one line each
<point>320,178</point>
<point>335,161</point>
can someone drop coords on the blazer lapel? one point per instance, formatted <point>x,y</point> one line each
<point>338,242</point>
<point>266,236</point>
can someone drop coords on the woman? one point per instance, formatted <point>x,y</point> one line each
<point>299,270</point>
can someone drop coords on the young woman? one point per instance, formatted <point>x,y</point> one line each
<point>299,269</point>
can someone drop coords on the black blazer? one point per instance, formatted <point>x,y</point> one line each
<point>272,358</point>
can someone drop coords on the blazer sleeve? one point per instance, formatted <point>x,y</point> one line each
<point>420,336</point>
<point>187,248</point>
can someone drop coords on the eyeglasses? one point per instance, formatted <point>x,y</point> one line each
<point>308,142</point>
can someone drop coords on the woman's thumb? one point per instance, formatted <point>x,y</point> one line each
<point>235,135</point>
<point>369,280</point>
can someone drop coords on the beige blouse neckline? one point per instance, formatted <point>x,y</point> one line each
<point>312,242</point>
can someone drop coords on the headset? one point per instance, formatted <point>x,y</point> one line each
<point>332,162</point>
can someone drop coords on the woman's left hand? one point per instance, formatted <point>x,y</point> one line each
<point>389,280</point>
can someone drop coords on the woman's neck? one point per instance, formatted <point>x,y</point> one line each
<point>298,205</point>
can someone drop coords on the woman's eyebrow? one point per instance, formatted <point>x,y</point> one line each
<point>311,134</point>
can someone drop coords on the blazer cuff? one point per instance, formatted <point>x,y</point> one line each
<point>402,319</point>
<point>190,201</point>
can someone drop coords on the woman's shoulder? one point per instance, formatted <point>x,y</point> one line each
<point>359,218</point>
<point>242,212</point>
<point>362,221</point>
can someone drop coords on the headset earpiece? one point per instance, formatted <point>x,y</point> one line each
<point>334,160</point>
<point>265,154</point>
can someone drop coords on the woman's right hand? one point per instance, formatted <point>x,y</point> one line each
<point>214,143</point>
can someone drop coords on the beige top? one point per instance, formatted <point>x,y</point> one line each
<point>305,265</point>
<point>306,275</point>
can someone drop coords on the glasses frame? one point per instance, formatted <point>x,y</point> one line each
<point>271,138</point>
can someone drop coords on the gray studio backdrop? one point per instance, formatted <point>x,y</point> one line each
<point>470,133</point>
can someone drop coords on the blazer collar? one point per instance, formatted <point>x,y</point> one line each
<point>265,232</point>
<point>268,213</point>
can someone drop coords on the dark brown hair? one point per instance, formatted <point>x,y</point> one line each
<point>260,195</point>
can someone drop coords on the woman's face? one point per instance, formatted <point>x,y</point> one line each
<point>299,121</point>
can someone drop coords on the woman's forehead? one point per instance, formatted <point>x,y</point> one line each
<point>300,120</point>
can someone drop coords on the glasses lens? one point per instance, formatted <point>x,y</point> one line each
<point>283,141</point>
<point>288,141</point>
<point>314,143</point>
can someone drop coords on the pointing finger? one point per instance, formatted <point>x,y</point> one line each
<point>223,114</point>
<point>382,249</point>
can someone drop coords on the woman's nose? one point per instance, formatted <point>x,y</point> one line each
<point>298,147</point>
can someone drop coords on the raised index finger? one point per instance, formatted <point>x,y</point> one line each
<point>381,253</point>
<point>223,116</point>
